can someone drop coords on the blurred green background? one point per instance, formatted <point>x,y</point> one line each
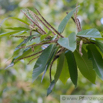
<point>16,83</point>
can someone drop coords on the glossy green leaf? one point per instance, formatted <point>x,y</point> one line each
<point>68,43</point>
<point>57,74</point>
<point>85,65</point>
<point>53,52</point>
<point>59,67</point>
<point>42,37</point>
<point>42,61</point>
<point>8,33</point>
<point>20,33</point>
<point>33,41</point>
<point>90,33</point>
<point>28,53</point>
<point>65,21</point>
<point>24,42</point>
<point>17,50</point>
<point>49,90</point>
<point>99,44</point>
<point>19,56</point>
<point>97,60</point>
<point>17,28</point>
<point>72,66</point>
<point>10,65</point>
<point>64,76</point>
<point>23,53</point>
<point>21,20</point>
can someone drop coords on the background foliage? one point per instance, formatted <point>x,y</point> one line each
<point>16,82</point>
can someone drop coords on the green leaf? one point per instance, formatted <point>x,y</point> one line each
<point>65,21</point>
<point>68,43</point>
<point>49,90</point>
<point>20,33</point>
<point>8,33</point>
<point>42,61</point>
<point>57,74</point>
<point>72,67</point>
<point>100,39</point>
<point>59,67</point>
<point>17,49</point>
<point>85,65</point>
<point>42,37</point>
<point>18,28</point>
<point>90,33</point>
<point>23,21</point>
<point>23,53</point>
<point>53,52</point>
<point>97,60</point>
<point>10,65</point>
<point>19,53</point>
<point>64,73</point>
<point>18,56</point>
<point>33,41</point>
<point>99,44</point>
<point>28,53</point>
<point>3,21</point>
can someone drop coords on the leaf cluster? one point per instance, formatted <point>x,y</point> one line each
<point>79,51</point>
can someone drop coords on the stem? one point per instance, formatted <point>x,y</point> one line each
<point>51,67</point>
<point>30,55</point>
<point>33,59</point>
<point>53,41</point>
<point>41,21</point>
<point>49,24</point>
<point>34,22</point>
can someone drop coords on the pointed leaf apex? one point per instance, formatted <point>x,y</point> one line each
<point>12,64</point>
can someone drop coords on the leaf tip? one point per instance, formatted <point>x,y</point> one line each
<point>12,64</point>
<point>48,92</point>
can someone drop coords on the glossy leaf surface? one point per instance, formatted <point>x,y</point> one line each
<point>97,60</point>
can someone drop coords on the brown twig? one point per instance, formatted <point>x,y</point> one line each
<point>33,59</point>
<point>32,48</point>
<point>30,55</point>
<point>60,51</point>
<point>20,36</point>
<point>41,21</point>
<point>53,41</point>
<point>51,67</point>
<point>77,20</point>
<point>43,32</point>
<point>48,23</point>
<point>73,19</point>
<point>23,37</point>
<point>50,71</point>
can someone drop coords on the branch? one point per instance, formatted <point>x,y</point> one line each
<point>51,67</point>
<point>41,21</point>
<point>48,23</point>
<point>33,59</point>
<point>53,41</point>
<point>34,22</point>
<point>30,55</point>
